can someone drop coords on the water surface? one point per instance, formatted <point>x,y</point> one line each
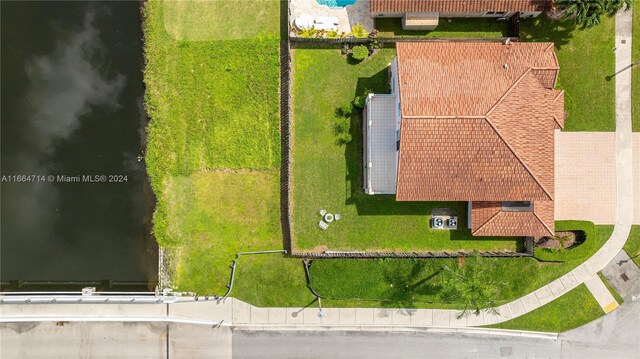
<point>72,106</point>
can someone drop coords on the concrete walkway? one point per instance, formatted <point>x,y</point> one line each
<point>602,294</point>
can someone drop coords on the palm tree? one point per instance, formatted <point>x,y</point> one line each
<point>613,6</point>
<point>588,12</point>
<point>584,12</point>
<point>470,285</point>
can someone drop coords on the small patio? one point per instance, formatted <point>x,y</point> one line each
<point>348,16</point>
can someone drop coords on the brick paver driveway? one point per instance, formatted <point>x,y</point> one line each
<point>586,176</point>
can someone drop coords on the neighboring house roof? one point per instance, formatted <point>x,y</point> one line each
<point>378,6</point>
<point>478,123</point>
<point>488,219</point>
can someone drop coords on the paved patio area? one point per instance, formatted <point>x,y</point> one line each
<point>348,16</point>
<point>586,176</point>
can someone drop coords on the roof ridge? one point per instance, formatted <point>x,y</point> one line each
<point>542,222</point>
<point>560,92</point>
<point>509,90</point>
<point>549,46</point>
<point>486,222</point>
<point>558,122</point>
<point>519,158</point>
<point>434,117</point>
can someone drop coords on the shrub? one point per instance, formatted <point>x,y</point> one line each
<point>375,44</point>
<point>344,49</point>
<point>308,33</point>
<point>332,34</point>
<point>359,52</point>
<point>342,125</point>
<point>360,101</point>
<point>358,31</point>
<point>343,138</point>
<point>345,110</point>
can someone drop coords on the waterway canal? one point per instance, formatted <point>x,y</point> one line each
<point>75,201</point>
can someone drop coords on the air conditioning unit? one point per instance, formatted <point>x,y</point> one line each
<point>437,222</point>
<point>452,222</point>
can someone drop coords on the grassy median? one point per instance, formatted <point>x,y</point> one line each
<point>574,309</point>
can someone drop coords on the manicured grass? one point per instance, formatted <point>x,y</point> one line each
<point>632,246</point>
<point>215,215</point>
<point>328,175</point>
<point>416,283</point>
<point>213,149</point>
<point>574,309</point>
<point>586,60</point>
<point>635,85</point>
<point>612,290</point>
<point>470,28</point>
<point>221,19</point>
<point>209,107</point>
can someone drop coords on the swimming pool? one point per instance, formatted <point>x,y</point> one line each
<point>336,3</point>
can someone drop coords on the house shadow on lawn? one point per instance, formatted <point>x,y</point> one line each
<point>542,29</point>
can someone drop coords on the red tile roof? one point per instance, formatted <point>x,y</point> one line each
<point>478,123</point>
<point>488,219</point>
<point>458,5</point>
<point>460,159</point>
<point>465,79</point>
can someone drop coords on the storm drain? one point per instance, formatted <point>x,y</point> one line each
<point>624,277</point>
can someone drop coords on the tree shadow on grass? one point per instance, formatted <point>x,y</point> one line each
<point>542,29</point>
<point>405,284</point>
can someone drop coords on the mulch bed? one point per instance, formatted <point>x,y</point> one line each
<point>554,243</point>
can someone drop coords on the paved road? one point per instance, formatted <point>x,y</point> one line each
<point>616,335</point>
<point>112,340</point>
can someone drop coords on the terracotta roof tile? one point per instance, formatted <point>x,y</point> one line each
<point>458,5</point>
<point>488,219</point>
<point>463,79</point>
<point>524,118</point>
<point>459,159</point>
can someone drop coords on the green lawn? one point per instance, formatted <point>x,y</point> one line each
<point>221,19</point>
<point>327,175</point>
<point>636,69</point>
<point>586,59</point>
<point>632,246</point>
<point>416,282</point>
<point>470,28</point>
<point>576,308</point>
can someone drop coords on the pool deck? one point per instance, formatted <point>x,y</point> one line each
<point>348,16</point>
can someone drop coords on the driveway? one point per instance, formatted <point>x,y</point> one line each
<point>586,176</point>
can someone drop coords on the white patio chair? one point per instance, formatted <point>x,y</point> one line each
<point>323,225</point>
<point>336,216</point>
<point>323,212</point>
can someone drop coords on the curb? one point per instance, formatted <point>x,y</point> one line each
<point>404,329</point>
